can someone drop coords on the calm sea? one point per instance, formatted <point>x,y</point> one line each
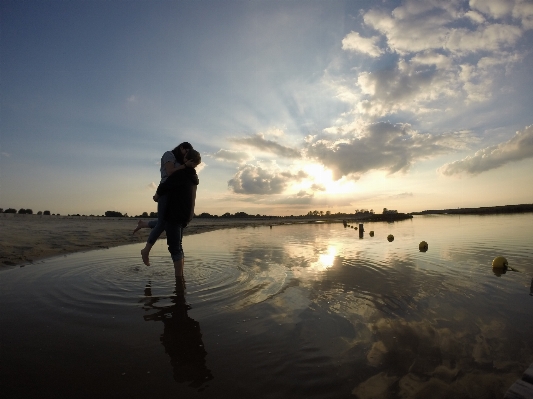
<point>299,311</point>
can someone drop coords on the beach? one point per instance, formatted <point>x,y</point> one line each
<point>28,238</point>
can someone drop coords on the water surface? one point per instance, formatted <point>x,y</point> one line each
<point>303,311</point>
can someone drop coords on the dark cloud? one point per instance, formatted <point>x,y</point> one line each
<point>519,147</point>
<point>251,179</point>
<point>318,187</point>
<point>382,146</point>
<point>258,141</point>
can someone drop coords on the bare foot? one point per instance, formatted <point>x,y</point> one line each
<point>140,224</point>
<point>144,255</point>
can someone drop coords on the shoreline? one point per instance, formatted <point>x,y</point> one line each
<point>25,239</point>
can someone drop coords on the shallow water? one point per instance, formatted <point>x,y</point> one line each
<point>296,311</point>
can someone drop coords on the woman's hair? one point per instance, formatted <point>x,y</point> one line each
<point>194,156</point>
<point>177,153</point>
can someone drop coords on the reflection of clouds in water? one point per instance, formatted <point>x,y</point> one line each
<point>412,359</point>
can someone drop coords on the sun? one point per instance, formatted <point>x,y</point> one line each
<point>320,180</point>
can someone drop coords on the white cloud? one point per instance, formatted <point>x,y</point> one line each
<point>382,146</point>
<point>422,25</point>
<point>485,38</point>
<point>523,10</point>
<point>475,16</point>
<point>259,142</point>
<point>519,147</point>
<point>407,86</point>
<point>366,45</point>
<point>431,57</point>
<point>232,156</point>
<point>152,186</point>
<point>493,8</point>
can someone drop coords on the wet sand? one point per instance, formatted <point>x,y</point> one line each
<point>29,238</point>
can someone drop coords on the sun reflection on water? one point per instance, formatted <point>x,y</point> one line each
<point>325,260</point>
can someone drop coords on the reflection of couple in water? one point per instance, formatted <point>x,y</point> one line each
<point>181,337</point>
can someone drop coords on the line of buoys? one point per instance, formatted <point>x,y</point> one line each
<point>499,264</point>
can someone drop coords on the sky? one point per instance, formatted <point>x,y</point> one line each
<point>294,105</point>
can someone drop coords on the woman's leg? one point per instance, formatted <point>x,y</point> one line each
<point>156,230</point>
<point>141,224</point>
<point>174,241</point>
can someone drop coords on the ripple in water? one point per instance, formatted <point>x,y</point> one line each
<point>299,310</point>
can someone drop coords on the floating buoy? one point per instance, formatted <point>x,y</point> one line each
<point>371,233</point>
<point>355,228</point>
<point>270,226</point>
<point>390,237</point>
<point>423,246</point>
<point>500,262</point>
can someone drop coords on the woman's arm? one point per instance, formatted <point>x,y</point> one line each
<point>170,168</point>
<point>193,193</point>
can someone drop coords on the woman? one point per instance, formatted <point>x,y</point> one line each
<point>180,189</point>
<point>171,161</point>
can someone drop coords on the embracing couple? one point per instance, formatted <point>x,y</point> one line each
<point>175,197</point>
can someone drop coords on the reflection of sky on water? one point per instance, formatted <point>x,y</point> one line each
<point>421,320</point>
<point>305,310</point>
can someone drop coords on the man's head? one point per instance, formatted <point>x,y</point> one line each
<point>194,157</point>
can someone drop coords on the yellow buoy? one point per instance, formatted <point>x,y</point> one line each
<point>390,237</point>
<point>500,262</point>
<point>371,233</point>
<point>423,246</point>
<point>355,228</point>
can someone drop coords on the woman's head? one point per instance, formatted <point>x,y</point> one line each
<point>194,156</point>
<point>181,150</point>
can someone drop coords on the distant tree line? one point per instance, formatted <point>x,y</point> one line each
<point>23,211</point>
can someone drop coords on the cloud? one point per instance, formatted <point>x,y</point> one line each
<point>366,45</point>
<point>318,187</point>
<point>381,146</point>
<point>304,194</point>
<point>401,195</point>
<point>521,10</point>
<point>519,147</point>
<point>475,16</point>
<point>232,156</point>
<point>403,87</point>
<point>152,186</point>
<point>5,154</point>
<point>493,8</point>
<point>251,179</point>
<point>258,141</point>
<point>429,25</point>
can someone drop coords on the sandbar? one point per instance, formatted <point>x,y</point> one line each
<point>25,239</point>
